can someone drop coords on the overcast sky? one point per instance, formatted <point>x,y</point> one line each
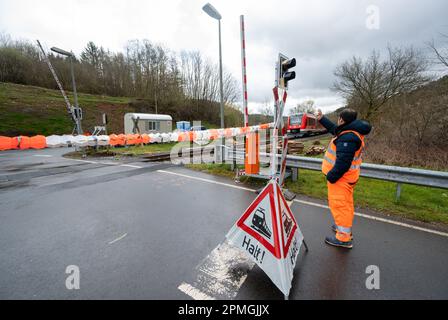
<point>319,34</point>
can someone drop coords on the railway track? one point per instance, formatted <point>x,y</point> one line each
<point>183,153</point>
<point>197,151</point>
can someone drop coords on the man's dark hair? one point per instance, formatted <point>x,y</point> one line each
<point>348,115</point>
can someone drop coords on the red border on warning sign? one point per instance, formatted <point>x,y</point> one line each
<point>291,235</point>
<point>275,250</point>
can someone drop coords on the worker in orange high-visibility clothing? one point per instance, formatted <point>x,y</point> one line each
<point>341,166</point>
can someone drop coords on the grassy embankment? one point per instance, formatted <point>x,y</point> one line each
<point>28,110</point>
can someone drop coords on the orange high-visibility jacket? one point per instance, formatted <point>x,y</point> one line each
<point>352,175</point>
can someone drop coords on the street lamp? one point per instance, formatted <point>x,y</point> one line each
<point>212,12</point>
<point>76,109</point>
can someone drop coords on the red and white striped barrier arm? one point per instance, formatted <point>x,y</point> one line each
<point>243,64</point>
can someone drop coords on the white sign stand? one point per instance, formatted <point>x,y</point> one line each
<point>268,231</point>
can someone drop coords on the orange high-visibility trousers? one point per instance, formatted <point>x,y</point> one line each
<point>340,201</point>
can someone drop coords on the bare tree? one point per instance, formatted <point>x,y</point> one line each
<point>5,39</point>
<point>374,81</point>
<point>440,53</point>
<point>304,107</point>
<point>231,88</point>
<point>267,109</point>
<point>201,79</point>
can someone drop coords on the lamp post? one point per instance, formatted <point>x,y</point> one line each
<point>212,12</point>
<point>75,94</point>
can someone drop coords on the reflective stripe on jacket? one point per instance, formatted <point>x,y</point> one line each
<point>352,175</point>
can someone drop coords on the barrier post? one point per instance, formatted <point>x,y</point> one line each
<point>295,174</point>
<point>244,72</point>
<point>219,150</point>
<point>398,192</point>
<point>234,164</point>
<point>190,153</point>
<point>252,154</point>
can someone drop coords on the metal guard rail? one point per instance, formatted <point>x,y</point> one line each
<point>428,178</point>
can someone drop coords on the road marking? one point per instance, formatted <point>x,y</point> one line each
<point>131,166</point>
<point>118,239</point>
<point>120,165</point>
<point>42,155</point>
<point>86,161</point>
<point>312,204</point>
<point>401,224</point>
<point>221,274</point>
<point>109,164</point>
<point>191,291</point>
<point>206,180</point>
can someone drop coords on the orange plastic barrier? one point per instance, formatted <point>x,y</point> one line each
<point>15,143</point>
<point>264,126</point>
<point>133,139</point>
<point>25,142</point>
<point>38,142</point>
<point>113,140</point>
<point>5,143</point>
<point>116,140</point>
<point>182,137</point>
<point>146,139</point>
<point>130,140</point>
<point>214,134</point>
<point>121,139</point>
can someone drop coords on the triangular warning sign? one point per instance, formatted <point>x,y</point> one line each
<point>289,223</point>
<point>259,221</point>
<point>269,233</point>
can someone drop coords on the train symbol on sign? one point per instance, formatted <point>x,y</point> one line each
<point>287,223</point>
<point>259,223</point>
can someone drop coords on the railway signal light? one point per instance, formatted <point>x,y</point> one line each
<point>284,73</point>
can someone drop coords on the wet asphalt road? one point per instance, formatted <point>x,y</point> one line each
<point>137,232</point>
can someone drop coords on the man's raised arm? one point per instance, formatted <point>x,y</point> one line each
<point>327,123</point>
